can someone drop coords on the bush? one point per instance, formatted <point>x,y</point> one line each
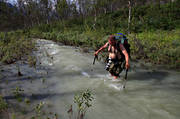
<point>14,46</point>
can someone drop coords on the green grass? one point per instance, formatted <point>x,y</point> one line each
<point>161,47</point>
<point>14,46</point>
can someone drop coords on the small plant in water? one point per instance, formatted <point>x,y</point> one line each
<point>3,104</point>
<point>13,116</point>
<point>39,107</point>
<point>40,114</point>
<point>27,101</point>
<point>38,110</point>
<point>32,61</point>
<point>17,93</point>
<point>7,82</point>
<point>0,75</point>
<point>83,102</point>
<point>43,80</point>
<point>19,72</point>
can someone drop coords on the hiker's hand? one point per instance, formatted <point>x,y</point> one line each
<point>127,65</point>
<point>96,53</point>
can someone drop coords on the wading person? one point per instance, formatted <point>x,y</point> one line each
<point>118,58</point>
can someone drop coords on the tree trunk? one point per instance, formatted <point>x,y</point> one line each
<point>95,19</point>
<point>105,10</point>
<point>111,7</point>
<point>129,18</point>
<point>159,3</point>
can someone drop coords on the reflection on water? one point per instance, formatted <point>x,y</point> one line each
<point>149,94</point>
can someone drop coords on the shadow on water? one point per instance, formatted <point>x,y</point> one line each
<point>68,74</point>
<point>22,78</point>
<point>149,75</point>
<point>152,88</point>
<point>153,81</point>
<point>40,96</point>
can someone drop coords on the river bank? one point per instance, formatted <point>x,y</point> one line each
<point>20,83</point>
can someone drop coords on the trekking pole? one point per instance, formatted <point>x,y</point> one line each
<point>125,78</point>
<point>95,57</point>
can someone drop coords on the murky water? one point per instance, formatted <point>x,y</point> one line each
<point>149,93</point>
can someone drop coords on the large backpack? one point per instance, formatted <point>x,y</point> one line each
<point>121,38</point>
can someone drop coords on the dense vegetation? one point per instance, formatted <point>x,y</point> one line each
<point>14,46</point>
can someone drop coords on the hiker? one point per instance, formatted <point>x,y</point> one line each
<point>118,58</point>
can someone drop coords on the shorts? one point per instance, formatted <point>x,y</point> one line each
<point>114,66</point>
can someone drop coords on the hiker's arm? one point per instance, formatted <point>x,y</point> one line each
<point>103,47</point>
<point>125,54</point>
